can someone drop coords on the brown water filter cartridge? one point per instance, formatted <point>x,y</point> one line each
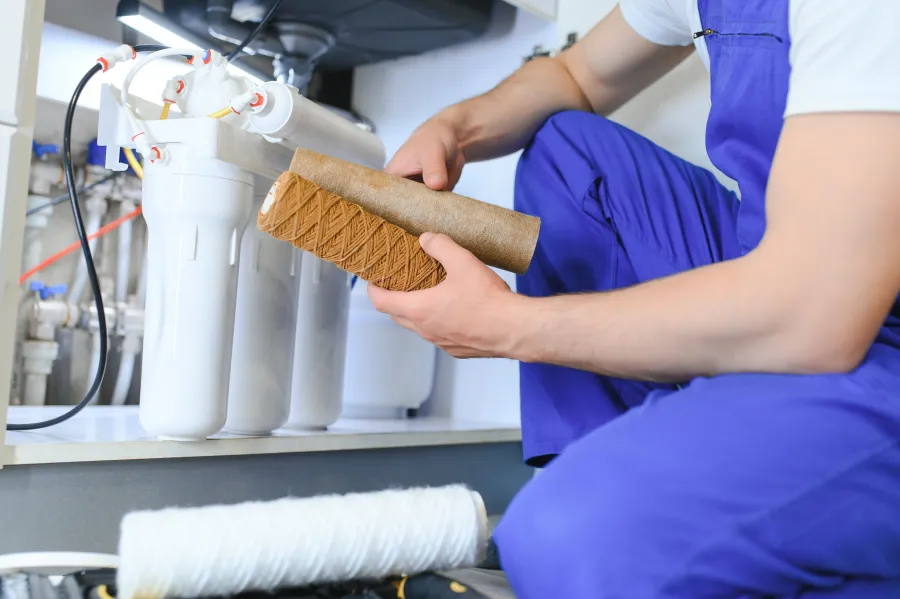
<point>497,236</point>
<point>343,233</point>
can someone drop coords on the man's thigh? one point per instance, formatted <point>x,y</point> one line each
<point>616,210</point>
<point>737,486</point>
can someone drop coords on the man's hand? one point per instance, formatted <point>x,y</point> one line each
<point>471,314</point>
<point>432,155</point>
<point>610,65</point>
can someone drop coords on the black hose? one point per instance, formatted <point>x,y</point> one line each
<point>86,250</point>
<point>65,196</point>
<point>88,260</point>
<point>262,25</point>
<point>150,48</point>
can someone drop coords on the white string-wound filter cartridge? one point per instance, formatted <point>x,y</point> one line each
<point>260,546</point>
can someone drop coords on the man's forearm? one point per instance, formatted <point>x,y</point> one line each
<point>502,120</point>
<point>737,316</point>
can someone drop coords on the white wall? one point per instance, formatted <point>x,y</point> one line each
<point>94,17</point>
<point>399,95</point>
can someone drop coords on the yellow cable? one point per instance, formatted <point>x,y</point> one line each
<point>220,113</point>
<point>103,592</point>
<point>165,111</point>
<point>133,161</point>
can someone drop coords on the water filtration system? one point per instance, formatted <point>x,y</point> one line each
<point>241,332</point>
<point>216,283</point>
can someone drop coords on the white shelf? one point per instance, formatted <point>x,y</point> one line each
<point>104,433</point>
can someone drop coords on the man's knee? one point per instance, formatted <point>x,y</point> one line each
<point>561,539</point>
<point>574,126</point>
<point>559,161</point>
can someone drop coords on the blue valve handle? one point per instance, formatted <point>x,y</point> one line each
<point>47,291</point>
<point>41,150</point>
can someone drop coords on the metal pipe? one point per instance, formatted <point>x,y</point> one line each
<point>123,259</point>
<point>123,379</point>
<point>94,362</point>
<point>96,209</point>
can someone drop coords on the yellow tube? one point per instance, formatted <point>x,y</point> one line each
<point>133,161</point>
<point>165,111</point>
<point>220,113</point>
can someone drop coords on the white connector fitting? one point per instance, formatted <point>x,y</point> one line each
<point>209,58</point>
<point>157,155</point>
<point>96,204</point>
<point>44,177</point>
<point>38,364</point>
<point>39,356</point>
<point>120,54</point>
<point>282,114</point>
<point>132,322</point>
<point>46,315</point>
<point>132,342</point>
<point>40,219</point>
<point>251,99</point>
<point>275,108</point>
<point>92,323</point>
<point>209,87</point>
<point>150,152</point>
<point>174,88</point>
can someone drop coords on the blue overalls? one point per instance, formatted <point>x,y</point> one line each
<point>734,486</point>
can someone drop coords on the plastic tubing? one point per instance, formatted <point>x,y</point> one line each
<point>123,259</point>
<point>95,217</point>
<point>221,113</point>
<point>133,163</point>
<point>144,61</point>
<point>123,379</point>
<point>95,361</point>
<point>77,245</point>
<point>123,97</point>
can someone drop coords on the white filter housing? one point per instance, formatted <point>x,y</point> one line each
<point>196,210</point>
<point>259,394</point>
<point>389,369</point>
<point>289,117</point>
<point>320,343</point>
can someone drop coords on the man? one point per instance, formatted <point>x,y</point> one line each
<point>720,379</point>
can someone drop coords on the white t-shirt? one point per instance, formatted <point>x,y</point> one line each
<point>845,56</point>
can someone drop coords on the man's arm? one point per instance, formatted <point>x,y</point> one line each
<point>605,69</point>
<point>809,299</point>
<point>608,67</point>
